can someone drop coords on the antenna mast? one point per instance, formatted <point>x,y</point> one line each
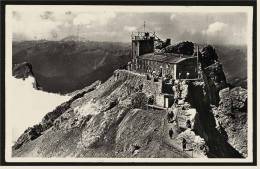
<point>198,59</point>
<point>144,26</point>
<point>78,32</point>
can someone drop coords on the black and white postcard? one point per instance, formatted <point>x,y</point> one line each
<point>129,83</point>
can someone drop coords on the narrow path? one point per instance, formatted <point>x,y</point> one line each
<point>172,143</point>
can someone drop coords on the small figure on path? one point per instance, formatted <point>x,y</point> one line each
<point>184,142</point>
<point>170,116</point>
<point>171,133</point>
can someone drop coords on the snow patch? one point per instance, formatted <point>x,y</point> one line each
<point>27,106</point>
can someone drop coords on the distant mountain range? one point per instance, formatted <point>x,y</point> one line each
<point>234,61</point>
<point>66,66</point>
<point>75,38</point>
<point>73,63</point>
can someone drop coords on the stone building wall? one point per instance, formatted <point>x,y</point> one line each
<point>187,66</point>
<point>177,71</point>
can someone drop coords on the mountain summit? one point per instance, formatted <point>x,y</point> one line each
<point>126,116</point>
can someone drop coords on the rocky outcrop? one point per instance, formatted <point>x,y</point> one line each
<point>186,48</point>
<point>208,56</point>
<point>231,117</point>
<point>23,71</point>
<point>29,134</point>
<point>233,99</point>
<point>194,142</point>
<point>222,114</point>
<point>215,80</point>
<point>206,125</point>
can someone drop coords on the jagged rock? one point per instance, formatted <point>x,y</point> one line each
<point>60,122</point>
<point>235,98</point>
<point>23,71</point>
<point>215,80</point>
<point>231,116</point>
<point>225,101</point>
<point>238,97</point>
<point>49,118</point>
<point>194,142</point>
<point>186,48</point>
<point>208,56</point>
<point>21,140</point>
<point>30,134</point>
<point>216,74</point>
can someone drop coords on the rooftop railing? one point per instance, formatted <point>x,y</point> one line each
<point>143,35</point>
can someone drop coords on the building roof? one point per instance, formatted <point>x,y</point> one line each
<point>166,57</point>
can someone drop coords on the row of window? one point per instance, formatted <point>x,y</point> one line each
<point>183,71</point>
<point>150,66</point>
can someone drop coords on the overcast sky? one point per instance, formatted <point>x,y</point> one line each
<point>99,25</point>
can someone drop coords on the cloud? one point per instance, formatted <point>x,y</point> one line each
<point>215,28</point>
<point>130,28</point>
<point>47,15</point>
<point>98,25</point>
<point>41,25</point>
<point>92,19</point>
<point>173,16</point>
<point>34,26</point>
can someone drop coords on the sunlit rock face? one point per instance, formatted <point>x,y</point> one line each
<point>231,117</point>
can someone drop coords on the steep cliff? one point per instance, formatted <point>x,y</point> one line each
<point>231,117</point>
<point>221,110</point>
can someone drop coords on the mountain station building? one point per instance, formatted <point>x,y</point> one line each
<point>145,59</point>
